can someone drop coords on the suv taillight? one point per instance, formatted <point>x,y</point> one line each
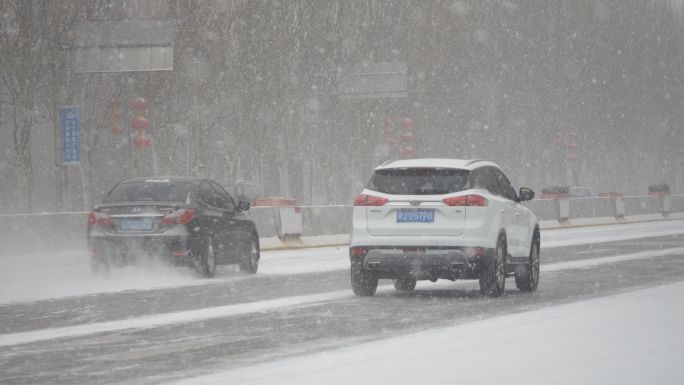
<point>467,200</point>
<point>98,218</point>
<point>182,216</point>
<point>369,200</point>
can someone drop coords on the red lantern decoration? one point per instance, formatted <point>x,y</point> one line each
<point>573,147</point>
<point>406,123</point>
<point>116,116</point>
<point>138,104</point>
<point>407,138</point>
<point>117,130</point>
<point>142,142</point>
<point>140,123</point>
<point>408,152</point>
<point>388,132</point>
<point>558,148</point>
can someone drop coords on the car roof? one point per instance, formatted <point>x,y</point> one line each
<point>463,164</point>
<point>233,182</point>
<point>186,179</point>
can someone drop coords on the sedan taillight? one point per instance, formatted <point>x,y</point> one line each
<point>467,200</point>
<point>98,218</point>
<point>182,216</point>
<point>369,200</point>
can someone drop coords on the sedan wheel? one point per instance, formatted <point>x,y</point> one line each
<point>99,266</point>
<point>250,261</point>
<point>206,266</point>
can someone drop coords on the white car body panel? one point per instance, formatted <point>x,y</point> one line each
<point>382,220</point>
<point>453,226</point>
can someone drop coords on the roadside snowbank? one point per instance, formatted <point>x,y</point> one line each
<point>632,338</point>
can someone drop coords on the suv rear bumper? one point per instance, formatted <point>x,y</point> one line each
<point>429,263</point>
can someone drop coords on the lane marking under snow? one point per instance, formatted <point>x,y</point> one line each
<point>614,259</point>
<point>264,306</point>
<point>609,233</point>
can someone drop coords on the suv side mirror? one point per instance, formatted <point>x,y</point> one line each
<point>526,194</point>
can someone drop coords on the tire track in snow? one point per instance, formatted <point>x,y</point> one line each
<point>269,305</point>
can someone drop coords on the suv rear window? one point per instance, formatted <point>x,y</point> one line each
<point>419,181</point>
<point>151,191</point>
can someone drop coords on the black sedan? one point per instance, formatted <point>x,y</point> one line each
<point>186,221</point>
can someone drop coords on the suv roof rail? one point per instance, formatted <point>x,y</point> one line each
<point>468,163</point>
<point>387,162</point>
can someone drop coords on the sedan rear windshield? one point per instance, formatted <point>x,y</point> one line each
<point>419,181</point>
<point>149,191</point>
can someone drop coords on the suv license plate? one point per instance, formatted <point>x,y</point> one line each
<point>136,224</point>
<point>419,215</point>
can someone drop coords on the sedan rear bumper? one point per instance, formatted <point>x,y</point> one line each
<point>123,250</point>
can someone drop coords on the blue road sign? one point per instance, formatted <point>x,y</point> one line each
<point>71,136</point>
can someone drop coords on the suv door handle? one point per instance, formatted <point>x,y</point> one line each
<point>517,214</point>
<point>502,211</point>
<point>215,220</point>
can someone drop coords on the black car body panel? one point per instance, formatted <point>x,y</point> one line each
<point>121,230</point>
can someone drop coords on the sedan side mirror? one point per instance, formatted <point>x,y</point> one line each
<point>526,194</point>
<point>243,205</point>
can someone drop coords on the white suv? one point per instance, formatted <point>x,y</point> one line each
<point>426,219</point>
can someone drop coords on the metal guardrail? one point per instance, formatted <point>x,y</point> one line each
<point>66,231</point>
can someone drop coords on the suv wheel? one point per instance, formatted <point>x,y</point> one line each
<point>364,282</point>
<point>493,274</point>
<point>527,279</point>
<point>404,284</point>
<point>206,265</point>
<point>249,263</point>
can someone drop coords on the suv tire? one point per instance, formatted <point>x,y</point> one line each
<point>364,282</point>
<point>405,284</point>
<point>527,279</point>
<point>493,274</point>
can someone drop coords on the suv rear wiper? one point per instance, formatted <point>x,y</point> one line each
<point>430,191</point>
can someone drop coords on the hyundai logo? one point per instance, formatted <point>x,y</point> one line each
<point>414,203</point>
<point>136,210</point>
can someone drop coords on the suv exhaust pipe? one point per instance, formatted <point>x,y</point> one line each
<point>457,265</point>
<point>373,265</point>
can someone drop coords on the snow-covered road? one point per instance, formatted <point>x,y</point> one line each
<point>607,310</point>
<point>38,276</point>
<point>633,338</point>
